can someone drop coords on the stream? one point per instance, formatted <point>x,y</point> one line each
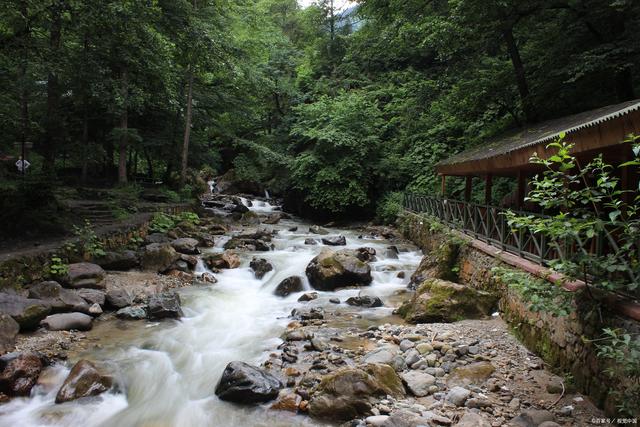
<point>166,372</point>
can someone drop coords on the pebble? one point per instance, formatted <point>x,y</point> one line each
<point>406,345</point>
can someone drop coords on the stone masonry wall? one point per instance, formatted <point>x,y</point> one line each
<point>563,342</point>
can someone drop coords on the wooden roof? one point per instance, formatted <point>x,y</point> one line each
<point>590,130</point>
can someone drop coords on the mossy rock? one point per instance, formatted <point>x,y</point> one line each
<point>442,301</point>
<point>474,373</point>
<point>349,393</point>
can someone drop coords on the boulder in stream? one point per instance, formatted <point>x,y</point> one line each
<point>226,259</point>
<point>334,240</point>
<point>243,383</point>
<point>288,286</point>
<point>334,269</point>
<point>164,305</point>
<point>260,267</point>
<point>67,321</point>
<point>316,229</point>
<point>20,374</point>
<point>118,298</point>
<point>186,245</point>
<point>158,257</point>
<point>84,380</point>
<point>365,301</point>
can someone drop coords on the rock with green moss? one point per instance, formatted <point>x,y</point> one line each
<point>441,301</point>
<point>335,269</point>
<point>438,264</point>
<point>349,393</point>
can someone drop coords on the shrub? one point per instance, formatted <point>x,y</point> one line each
<point>389,207</point>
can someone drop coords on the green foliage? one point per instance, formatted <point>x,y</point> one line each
<point>89,245</point>
<point>623,351</point>
<point>339,142</point>
<point>389,207</point>
<point>541,295</point>
<point>586,202</point>
<point>162,222</point>
<point>57,268</point>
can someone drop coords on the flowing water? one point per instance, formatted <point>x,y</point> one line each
<point>167,371</point>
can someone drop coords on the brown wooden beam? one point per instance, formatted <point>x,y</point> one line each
<point>488,184</point>
<point>443,190</point>
<point>468,186</point>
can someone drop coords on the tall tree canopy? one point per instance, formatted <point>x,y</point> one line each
<point>333,109</point>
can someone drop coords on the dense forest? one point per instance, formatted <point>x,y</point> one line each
<point>336,109</point>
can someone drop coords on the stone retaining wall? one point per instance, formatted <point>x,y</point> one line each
<point>30,266</point>
<point>563,342</point>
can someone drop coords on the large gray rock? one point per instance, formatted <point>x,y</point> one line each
<point>20,374</point>
<point>59,298</point>
<point>418,382</point>
<point>260,267</point>
<point>316,229</point>
<point>118,298</point>
<point>92,296</point>
<point>9,328</point>
<point>157,238</point>
<point>441,301</point>
<point>243,383</point>
<point>132,313</point>
<point>26,311</point>
<point>158,257</point>
<point>350,392</point>
<point>474,419</point>
<point>458,395</point>
<point>118,261</point>
<point>68,321</point>
<point>384,355</point>
<point>288,286</point>
<point>334,240</point>
<point>227,259</point>
<point>248,244</point>
<point>186,245</point>
<point>334,269</point>
<point>365,301</point>
<point>164,305</point>
<point>85,275</point>
<point>84,380</point>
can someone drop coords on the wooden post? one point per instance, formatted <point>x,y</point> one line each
<point>522,189</point>
<point>444,186</point>
<point>467,188</point>
<point>487,188</point>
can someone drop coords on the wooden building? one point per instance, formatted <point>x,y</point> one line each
<point>600,131</point>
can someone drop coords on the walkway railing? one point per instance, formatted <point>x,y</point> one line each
<point>489,224</point>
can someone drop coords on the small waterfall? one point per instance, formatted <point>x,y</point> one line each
<point>266,194</point>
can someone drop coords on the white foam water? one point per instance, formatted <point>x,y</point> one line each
<point>167,371</point>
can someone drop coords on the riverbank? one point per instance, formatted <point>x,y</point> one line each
<point>336,354</point>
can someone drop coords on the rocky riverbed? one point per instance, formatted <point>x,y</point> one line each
<point>254,318</point>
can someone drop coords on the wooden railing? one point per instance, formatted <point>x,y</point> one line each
<point>489,224</point>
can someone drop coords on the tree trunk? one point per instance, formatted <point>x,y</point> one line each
<point>187,131</point>
<point>85,113</point>
<point>52,132</point>
<point>22,76</point>
<point>124,128</point>
<point>521,78</point>
<point>85,143</point>
<point>149,164</point>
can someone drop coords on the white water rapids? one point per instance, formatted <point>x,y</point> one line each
<point>167,371</point>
